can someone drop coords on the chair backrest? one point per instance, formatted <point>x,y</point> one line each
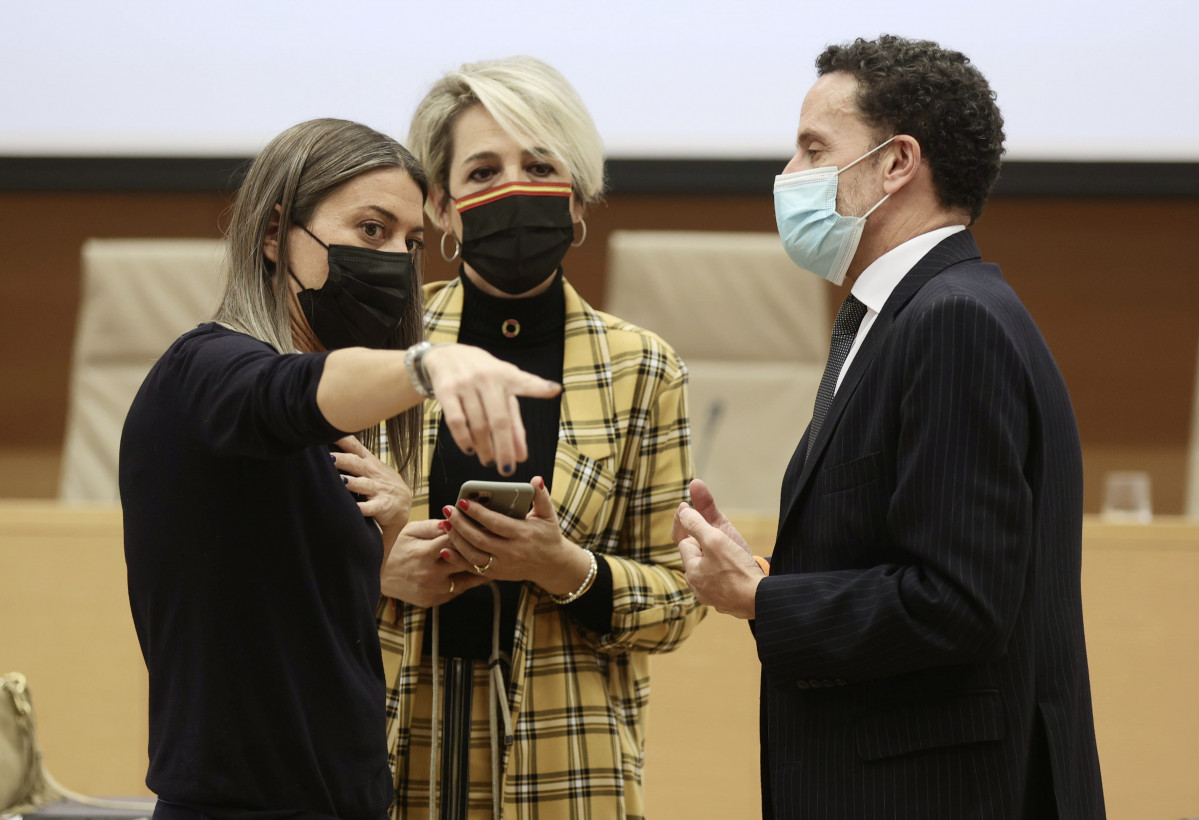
<point>754,332</point>
<point>138,296</point>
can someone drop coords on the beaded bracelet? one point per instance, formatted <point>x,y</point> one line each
<point>414,363</point>
<point>582,590</point>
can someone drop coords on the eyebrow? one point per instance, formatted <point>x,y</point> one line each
<point>808,135</point>
<point>381,210</point>
<point>392,217</point>
<point>491,155</point>
<point>480,155</point>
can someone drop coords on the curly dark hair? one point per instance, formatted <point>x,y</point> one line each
<point>917,88</point>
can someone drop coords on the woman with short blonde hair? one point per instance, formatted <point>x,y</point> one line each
<point>523,694</point>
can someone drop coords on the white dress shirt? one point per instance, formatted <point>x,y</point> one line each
<point>875,284</point>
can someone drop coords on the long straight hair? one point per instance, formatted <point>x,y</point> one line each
<point>295,172</point>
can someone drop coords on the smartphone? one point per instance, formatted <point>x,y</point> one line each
<point>512,498</point>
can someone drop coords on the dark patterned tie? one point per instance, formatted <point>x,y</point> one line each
<point>845,327</point>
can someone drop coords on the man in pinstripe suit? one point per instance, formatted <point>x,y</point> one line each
<point>920,626</point>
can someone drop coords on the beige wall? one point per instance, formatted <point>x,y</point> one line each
<point>1114,285</point>
<point>67,626</point>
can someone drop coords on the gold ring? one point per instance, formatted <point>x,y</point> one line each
<point>482,570</point>
<point>451,586</point>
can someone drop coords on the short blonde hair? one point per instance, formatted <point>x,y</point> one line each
<point>528,99</point>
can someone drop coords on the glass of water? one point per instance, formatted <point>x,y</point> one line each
<point>1126,498</point>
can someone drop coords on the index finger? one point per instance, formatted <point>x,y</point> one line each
<point>485,518</point>
<point>693,523</point>
<point>534,387</point>
<point>690,552</point>
<point>677,532</point>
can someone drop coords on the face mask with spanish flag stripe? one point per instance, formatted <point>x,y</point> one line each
<point>515,235</point>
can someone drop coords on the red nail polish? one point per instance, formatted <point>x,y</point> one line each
<point>447,510</point>
<point>445,554</point>
<point>464,504</point>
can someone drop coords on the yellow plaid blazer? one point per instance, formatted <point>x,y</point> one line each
<point>622,466</point>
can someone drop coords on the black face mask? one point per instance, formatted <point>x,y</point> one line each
<point>362,302</point>
<point>515,236</point>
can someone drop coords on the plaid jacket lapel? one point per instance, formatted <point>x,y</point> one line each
<point>588,412</point>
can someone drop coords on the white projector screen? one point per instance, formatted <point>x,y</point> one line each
<point>1095,80</point>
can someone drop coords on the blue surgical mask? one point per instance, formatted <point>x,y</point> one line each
<point>816,237</point>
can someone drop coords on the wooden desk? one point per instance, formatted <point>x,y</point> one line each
<point>65,623</point>
<point>1141,607</point>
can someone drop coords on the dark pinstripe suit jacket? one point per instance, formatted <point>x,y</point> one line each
<point>921,630</point>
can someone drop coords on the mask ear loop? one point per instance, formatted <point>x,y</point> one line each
<point>582,238</point>
<point>878,147</point>
<point>875,208</point>
<point>457,248</point>
<point>859,159</point>
<point>304,228</point>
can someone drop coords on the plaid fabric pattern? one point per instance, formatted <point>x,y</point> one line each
<point>622,466</point>
<point>416,776</point>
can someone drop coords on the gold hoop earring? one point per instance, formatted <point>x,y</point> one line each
<point>582,238</point>
<point>457,248</point>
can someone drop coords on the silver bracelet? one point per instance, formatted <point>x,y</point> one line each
<point>414,363</point>
<point>582,590</point>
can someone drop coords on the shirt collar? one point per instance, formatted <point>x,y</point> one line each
<point>873,287</point>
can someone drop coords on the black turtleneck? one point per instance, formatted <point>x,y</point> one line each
<point>530,333</point>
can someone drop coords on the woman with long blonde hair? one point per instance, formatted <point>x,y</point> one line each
<point>253,573</point>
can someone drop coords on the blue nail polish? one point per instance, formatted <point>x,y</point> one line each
<point>345,480</point>
<point>333,458</point>
<point>508,469</point>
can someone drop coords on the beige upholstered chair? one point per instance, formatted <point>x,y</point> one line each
<point>753,330</point>
<point>138,295</point>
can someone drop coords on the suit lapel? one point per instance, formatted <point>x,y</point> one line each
<point>588,412</point>
<point>955,248</point>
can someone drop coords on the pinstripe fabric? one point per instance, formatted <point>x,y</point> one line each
<point>622,466</point>
<point>923,611</point>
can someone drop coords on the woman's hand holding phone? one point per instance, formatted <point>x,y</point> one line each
<point>416,572</point>
<point>498,547</point>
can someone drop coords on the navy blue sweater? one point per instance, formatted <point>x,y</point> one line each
<point>253,580</point>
